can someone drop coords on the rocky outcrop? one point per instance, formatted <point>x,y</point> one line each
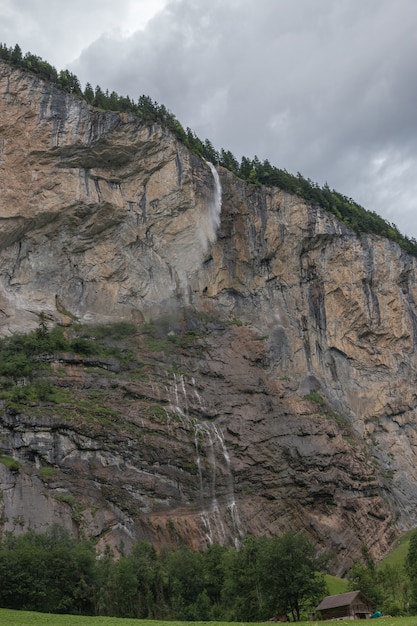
<point>107,217</point>
<point>201,444</point>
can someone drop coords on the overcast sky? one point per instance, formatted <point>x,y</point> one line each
<point>324,87</point>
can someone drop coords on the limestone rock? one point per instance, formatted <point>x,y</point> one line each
<point>107,217</point>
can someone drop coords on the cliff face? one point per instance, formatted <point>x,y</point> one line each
<point>106,217</point>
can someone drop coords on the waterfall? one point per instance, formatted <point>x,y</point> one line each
<point>231,501</point>
<point>215,205</point>
<point>219,513</point>
<point>220,519</point>
<point>211,515</point>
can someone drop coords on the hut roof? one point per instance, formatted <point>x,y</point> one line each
<point>341,599</point>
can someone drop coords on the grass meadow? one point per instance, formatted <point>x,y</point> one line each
<point>27,618</point>
<point>399,551</point>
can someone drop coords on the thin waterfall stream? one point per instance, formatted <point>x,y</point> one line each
<point>215,206</point>
<point>218,508</point>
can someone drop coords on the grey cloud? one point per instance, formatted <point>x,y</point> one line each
<point>317,86</point>
<point>58,30</point>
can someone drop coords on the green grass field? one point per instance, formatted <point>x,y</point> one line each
<point>398,554</point>
<point>26,618</point>
<point>336,585</point>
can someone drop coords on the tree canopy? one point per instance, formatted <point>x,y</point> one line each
<point>53,572</point>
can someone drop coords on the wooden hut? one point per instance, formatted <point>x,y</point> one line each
<point>351,605</point>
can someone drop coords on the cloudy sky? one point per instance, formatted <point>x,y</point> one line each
<point>324,87</point>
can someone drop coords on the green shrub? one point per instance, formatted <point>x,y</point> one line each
<point>314,396</point>
<point>19,353</point>
<point>83,346</point>
<point>12,464</point>
<point>15,365</point>
<point>39,391</point>
<point>47,473</point>
<point>117,330</point>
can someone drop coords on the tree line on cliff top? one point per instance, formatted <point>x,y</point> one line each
<point>249,169</point>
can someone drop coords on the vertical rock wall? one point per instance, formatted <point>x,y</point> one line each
<point>105,216</point>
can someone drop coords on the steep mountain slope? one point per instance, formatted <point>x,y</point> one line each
<point>279,386</point>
